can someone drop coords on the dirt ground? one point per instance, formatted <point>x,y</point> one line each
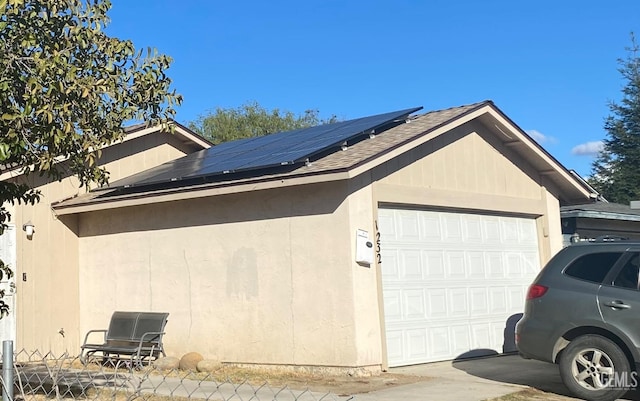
<point>345,385</point>
<point>336,384</point>
<point>532,394</point>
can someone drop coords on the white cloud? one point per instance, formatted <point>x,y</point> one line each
<point>588,149</point>
<point>540,137</point>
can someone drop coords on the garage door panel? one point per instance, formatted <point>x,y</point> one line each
<point>480,335</point>
<point>452,280</point>
<point>439,344</point>
<point>475,263</point>
<point>497,300</point>
<point>479,302</point>
<point>455,266</point>
<point>392,306</point>
<point>458,303</point>
<point>495,265</point>
<point>516,296</point>
<point>411,267</point>
<point>491,227</point>
<point>527,231</point>
<point>430,228</point>
<point>416,341</point>
<point>460,336</point>
<point>391,269</point>
<point>514,264</point>
<point>530,263</point>
<point>509,231</point>
<point>387,227</point>
<point>472,230</point>
<point>437,303</point>
<point>394,345</point>
<point>452,225</point>
<point>408,226</point>
<point>435,269</point>
<point>414,304</point>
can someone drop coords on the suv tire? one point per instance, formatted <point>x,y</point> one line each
<point>588,363</point>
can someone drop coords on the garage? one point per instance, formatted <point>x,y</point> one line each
<point>451,281</point>
<point>470,208</point>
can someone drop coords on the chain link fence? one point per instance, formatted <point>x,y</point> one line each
<point>38,376</point>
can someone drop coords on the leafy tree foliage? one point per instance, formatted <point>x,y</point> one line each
<point>251,120</point>
<point>616,171</point>
<point>66,90</point>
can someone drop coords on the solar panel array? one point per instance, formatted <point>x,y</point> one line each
<point>280,149</point>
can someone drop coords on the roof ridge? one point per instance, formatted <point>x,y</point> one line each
<point>462,107</point>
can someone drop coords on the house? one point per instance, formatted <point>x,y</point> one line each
<point>44,293</point>
<point>408,239</point>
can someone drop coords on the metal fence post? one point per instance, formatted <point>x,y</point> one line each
<point>7,370</point>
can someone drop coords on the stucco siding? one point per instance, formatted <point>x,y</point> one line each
<point>47,284</point>
<point>462,160</point>
<point>368,336</point>
<point>142,153</point>
<point>251,278</point>
<point>466,168</point>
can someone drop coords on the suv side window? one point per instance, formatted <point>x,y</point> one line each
<point>593,266</point>
<point>629,276</point>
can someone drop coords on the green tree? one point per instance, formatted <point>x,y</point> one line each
<point>251,120</point>
<point>616,171</point>
<point>66,90</point>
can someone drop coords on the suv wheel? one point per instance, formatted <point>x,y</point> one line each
<point>590,365</point>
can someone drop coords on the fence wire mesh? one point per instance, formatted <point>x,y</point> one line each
<point>38,376</point>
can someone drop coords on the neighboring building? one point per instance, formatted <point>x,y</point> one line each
<point>262,266</point>
<point>589,221</point>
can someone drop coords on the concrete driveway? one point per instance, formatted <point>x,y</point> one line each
<point>477,379</point>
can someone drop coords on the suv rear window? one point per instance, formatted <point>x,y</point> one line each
<point>593,266</point>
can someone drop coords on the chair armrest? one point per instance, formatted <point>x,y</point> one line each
<point>86,337</point>
<point>148,334</point>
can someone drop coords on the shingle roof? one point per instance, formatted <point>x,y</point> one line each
<point>337,165</point>
<point>390,139</point>
<point>355,155</point>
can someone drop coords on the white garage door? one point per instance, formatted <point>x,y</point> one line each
<point>451,281</point>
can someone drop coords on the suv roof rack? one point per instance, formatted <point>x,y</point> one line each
<point>607,238</point>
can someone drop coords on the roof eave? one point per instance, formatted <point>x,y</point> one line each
<point>573,191</point>
<point>182,132</point>
<point>590,214</point>
<point>183,193</point>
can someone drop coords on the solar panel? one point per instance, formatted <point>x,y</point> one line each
<point>283,148</point>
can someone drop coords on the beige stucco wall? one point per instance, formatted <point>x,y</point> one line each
<point>269,277</point>
<point>468,169</point>
<point>48,300</point>
<point>261,277</point>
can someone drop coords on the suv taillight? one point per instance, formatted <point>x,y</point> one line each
<point>536,291</point>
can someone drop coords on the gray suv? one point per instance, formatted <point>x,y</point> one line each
<point>583,313</point>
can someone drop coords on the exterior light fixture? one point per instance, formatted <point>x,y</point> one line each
<point>29,228</point>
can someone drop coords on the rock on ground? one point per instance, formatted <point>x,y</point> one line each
<point>190,361</point>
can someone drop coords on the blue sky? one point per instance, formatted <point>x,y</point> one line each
<point>551,66</point>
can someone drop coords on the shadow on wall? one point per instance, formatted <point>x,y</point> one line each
<point>509,367</point>
<point>313,200</point>
<point>509,344</point>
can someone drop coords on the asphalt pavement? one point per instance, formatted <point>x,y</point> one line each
<point>473,380</point>
<point>476,380</point>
